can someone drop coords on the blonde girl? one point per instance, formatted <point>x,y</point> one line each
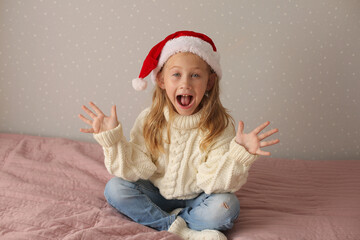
<point>184,160</point>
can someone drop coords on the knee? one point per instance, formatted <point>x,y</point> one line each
<point>225,209</point>
<point>227,204</point>
<point>117,189</point>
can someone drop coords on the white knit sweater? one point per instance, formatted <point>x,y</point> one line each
<point>183,171</point>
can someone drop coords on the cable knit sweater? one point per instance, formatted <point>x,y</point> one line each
<point>183,171</point>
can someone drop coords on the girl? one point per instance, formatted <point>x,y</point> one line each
<point>184,161</point>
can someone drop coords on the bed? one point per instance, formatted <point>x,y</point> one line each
<point>52,188</point>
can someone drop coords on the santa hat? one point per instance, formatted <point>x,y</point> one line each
<point>182,41</point>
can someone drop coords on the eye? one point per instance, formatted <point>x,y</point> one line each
<point>195,75</point>
<point>176,74</point>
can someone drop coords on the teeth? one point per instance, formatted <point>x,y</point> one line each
<point>185,100</point>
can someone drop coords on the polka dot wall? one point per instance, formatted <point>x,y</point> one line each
<point>294,63</point>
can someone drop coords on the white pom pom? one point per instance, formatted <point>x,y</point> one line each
<point>139,84</point>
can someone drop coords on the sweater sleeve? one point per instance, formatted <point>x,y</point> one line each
<point>226,167</point>
<point>129,160</point>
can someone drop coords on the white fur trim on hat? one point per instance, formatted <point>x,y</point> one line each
<point>189,44</point>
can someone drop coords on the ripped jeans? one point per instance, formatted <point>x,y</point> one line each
<point>142,202</point>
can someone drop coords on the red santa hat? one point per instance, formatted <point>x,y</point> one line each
<point>182,41</point>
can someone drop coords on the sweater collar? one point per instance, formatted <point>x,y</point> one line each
<point>183,122</point>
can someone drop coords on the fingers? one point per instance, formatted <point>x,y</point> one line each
<point>96,109</point>
<point>113,112</point>
<point>261,127</point>
<point>87,130</point>
<point>241,127</point>
<point>95,123</point>
<point>269,143</point>
<point>263,153</point>
<point>260,137</point>
<point>99,121</point>
<point>85,120</point>
<point>268,134</point>
<point>88,111</point>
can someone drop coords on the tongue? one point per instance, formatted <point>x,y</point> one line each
<point>185,100</point>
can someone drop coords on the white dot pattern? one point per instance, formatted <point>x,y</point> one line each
<point>295,64</point>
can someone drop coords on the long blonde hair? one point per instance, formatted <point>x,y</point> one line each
<point>214,119</point>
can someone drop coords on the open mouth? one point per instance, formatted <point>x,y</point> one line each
<point>184,100</point>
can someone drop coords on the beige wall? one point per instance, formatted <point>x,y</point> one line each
<point>295,63</point>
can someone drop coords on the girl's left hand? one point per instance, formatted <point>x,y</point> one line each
<point>252,142</point>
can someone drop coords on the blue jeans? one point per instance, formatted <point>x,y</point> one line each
<point>142,202</point>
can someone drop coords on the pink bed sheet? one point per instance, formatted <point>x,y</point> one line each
<point>52,188</point>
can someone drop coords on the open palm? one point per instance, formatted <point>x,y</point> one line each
<point>253,142</point>
<point>100,122</point>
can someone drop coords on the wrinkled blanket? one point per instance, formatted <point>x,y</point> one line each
<point>52,188</point>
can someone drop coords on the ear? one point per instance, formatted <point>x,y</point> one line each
<point>211,82</point>
<point>160,80</point>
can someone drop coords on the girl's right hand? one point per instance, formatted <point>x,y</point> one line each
<point>100,122</point>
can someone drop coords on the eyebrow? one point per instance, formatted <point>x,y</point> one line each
<point>193,68</point>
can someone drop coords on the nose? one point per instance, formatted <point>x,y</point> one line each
<point>185,82</point>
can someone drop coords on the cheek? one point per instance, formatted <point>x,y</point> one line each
<point>202,87</point>
<point>170,85</point>
<point>170,91</point>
